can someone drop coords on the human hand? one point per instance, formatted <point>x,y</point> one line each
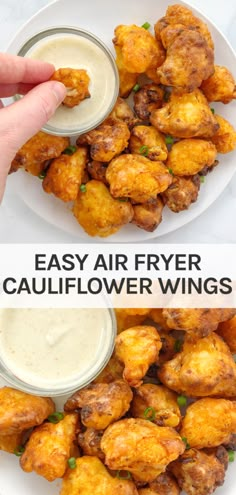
<point>21,120</point>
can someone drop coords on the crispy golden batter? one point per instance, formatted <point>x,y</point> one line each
<point>227,330</point>
<point>225,138</point>
<point>97,171</point>
<point>189,59</point>
<point>107,140</point>
<point>209,422</point>
<point>137,177</point>
<point>90,442</point>
<point>65,174</point>
<point>76,82</point>
<point>137,348</point>
<point>148,216</point>
<point>129,317</point>
<point>101,403</point>
<point>10,443</point>
<point>20,411</point>
<point>148,98</point>
<point>156,314</point>
<point>179,14</point>
<point>165,484</point>
<point>197,322</point>
<point>162,402</point>
<point>141,447</point>
<point>127,79</point>
<point>220,86</point>
<point>200,472</point>
<point>49,448</point>
<point>98,212</point>
<point>186,116</point>
<point>137,48</point>
<point>168,349</point>
<point>38,150</point>
<point>123,112</point>
<point>205,368</point>
<point>190,156</point>
<point>181,193</point>
<point>91,477</point>
<point>113,371</point>
<point>149,142</point>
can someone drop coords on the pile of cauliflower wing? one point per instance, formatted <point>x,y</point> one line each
<point>152,153</point>
<point>160,418</point>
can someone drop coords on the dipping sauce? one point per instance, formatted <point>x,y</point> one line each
<point>69,48</point>
<point>53,349</point>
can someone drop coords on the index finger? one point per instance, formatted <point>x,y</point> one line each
<point>14,69</point>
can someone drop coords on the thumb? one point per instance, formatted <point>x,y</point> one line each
<point>21,120</point>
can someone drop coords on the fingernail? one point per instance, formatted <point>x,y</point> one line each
<point>59,91</point>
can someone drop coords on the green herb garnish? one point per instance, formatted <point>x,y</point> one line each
<point>70,150</point>
<point>146,25</point>
<point>42,175</point>
<point>149,413</point>
<point>144,150</point>
<point>231,455</point>
<point>178,345</point>
<point>56,417</point>
<point>202,179</point>
<point>136,88</point>
<point>169,140</point>
<point>170,171</point>
<point>187,446</point>
<point>212,110</point>
<point>126,476</point>
<point>72,462</point>
<point>83,188</point>
<point>18,451</point>
<point>182,400</point>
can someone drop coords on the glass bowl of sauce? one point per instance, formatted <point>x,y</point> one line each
<point>69,47</point>
<point>53,352</point>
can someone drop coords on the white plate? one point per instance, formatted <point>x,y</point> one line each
<point>101,18</point>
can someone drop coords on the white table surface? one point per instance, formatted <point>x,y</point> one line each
<point>19,224</point>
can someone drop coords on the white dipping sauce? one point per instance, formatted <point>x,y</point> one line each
<point>48,348</point>
<point>77,52</point>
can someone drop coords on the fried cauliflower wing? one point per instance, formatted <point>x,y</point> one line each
<point>127,79</point>
<point>200,472</point>
<point>130,317</point>
<point>158,403</point>
<point>148,216</point>
<point>168,349</point>
<point>137,348</point>
<point>91,477</point>
<point>164,484</point>
<point>190,156</point>
<point>90,442</point>
<point>181,193</point>
<point>38,150</point>
<point>137,177</point>
<point>76,82</point>
<point>137,48</point>
<point>197,322</point>
<point>101,403</point>
<point>179,14</point>
<point>98,212</point>
<point>123,112</point>
<point>148,98</point>
<point>156,314</point>
<point>11,443</point>
<point>20,411</point>
<point>149,142</point>
<point>113,371</point>
<point>97,171</point>
<point>141,447</point>
<point>189,59</point>
<point>205,368</point>
<point>227,330</point>
<point>209,422</point>
<point>49,448</point>
<point>65,174</point>
<point>107,140</point>
<point>220,86</point>
<point>225,138</point>
<point>186,116</point>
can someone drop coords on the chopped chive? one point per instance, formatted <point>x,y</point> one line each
<point>178,345</point>
<point>187,446</point>
<point>231,455</point>
<point>72,462</point>
<point>18,451</point>
<point>170,171</point>
<point>212,110</point>
<point>146,25</point>
<point>136,88</point>
<point>126,476</point>
<point>70,150</point>
<point>42,175</point>
<point>147,415</point>
<point>182,400</point>
<point>83,188</point>
<point>56,417</point>
<point>144,150</point>
<point>169,140</point>
<point>202,179</point>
